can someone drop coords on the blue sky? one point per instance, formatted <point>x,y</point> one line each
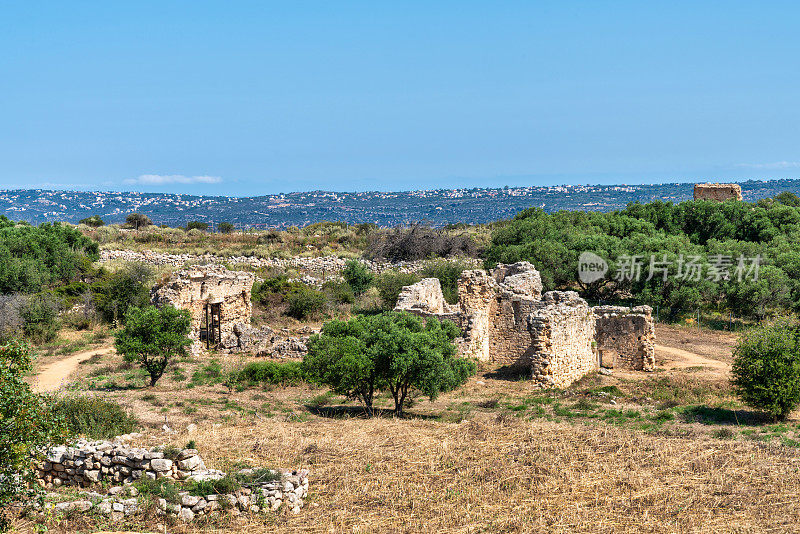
<point>248,98</point>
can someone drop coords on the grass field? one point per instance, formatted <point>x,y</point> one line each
<point>669,451</point>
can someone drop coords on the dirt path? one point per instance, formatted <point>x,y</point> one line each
<point>56,374</point>
<point>689,359</point>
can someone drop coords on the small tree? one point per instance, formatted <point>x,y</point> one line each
<point>225,228</point>
<point>393,351</point>
<point>766,368</point>
<point>137,220</point>
<point>94,221</point>
<point>358,276</point>
<point>197,225</point>
<point>152,337</point>
<point>27,426</point>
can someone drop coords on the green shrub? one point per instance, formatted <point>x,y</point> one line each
<point>357,276</point>
<point>40,318</point>
<point>448,273</point>
<point>304,302</point>
<point>389,285</point>
<point>197,225</point>
<point>340,292</point>
<point>225,228</point>
<point>279,373</point>
<point>161,488</point>
<point>94,221</point>
<point>766,368</point>
<point>115,293</point>
<point>225,485</point>
<point>94,418</point>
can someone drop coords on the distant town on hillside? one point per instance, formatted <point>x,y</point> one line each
<point>436,207</point>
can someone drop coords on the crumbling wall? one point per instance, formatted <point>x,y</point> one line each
<point>625,337</point>
<point>717,192</point>
<point>562,332</point>
<point>425,296</point>
<point>191,289</point>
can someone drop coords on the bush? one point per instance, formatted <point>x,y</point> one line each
<point>340,292</point>
<point>11,307</point>
<point>115,293</point>
<point>448,273</point>
<point>766,368</point>
<point>160,488</point>
<point>197,225</point>
<point>27,426</point>
<point>278,373</point>
<point>418,243</point>
<point>225,485</point>
<point>394,351</point>
<point>94,221</point>
<point>94,418</point>
<point>389,285</point>
<point>137,221</point>
<point>304,302</point>
<point>225,228</point>
<point>36,257</point>
<point>357,276</point>
<point>40,318</point>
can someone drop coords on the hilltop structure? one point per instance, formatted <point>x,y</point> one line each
<point>718,192</point>
<point>507,321</point>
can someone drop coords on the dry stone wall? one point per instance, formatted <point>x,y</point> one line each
<point>625,337</point>
<point>562,332</point>
<point>90,464</point>
<point>425,297</point>
<point>317,265</point>
<point>719,192</point>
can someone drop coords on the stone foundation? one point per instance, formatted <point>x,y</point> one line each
<point>718,192</point>
<point>625,337</point>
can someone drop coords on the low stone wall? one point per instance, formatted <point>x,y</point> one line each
<point>424,296</point>
<point>320,265</point>
<point>626,337</point>
<point>562,332</point>
<point>289,490</point>
<point>718,192</point>
<point>89,463</point>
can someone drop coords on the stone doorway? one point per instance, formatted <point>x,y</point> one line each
<point>211,324</point>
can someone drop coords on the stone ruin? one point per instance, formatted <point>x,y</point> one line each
<point>507,321</point>
<point>217,299</point>
<point>97,465</point>
<point>718,192</point>
<point>626,337</point>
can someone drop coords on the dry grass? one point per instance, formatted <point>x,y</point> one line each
<point>506,475</point>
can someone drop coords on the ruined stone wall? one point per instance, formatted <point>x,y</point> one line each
<point>562,332</point>
<point>717,192</point>
<point>191,289</point>
<point>91,464</point>
<point>425,296</point>
<point>625,337</point>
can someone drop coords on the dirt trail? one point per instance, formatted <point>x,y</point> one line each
<point>690,359</point>
<point>56,374</point>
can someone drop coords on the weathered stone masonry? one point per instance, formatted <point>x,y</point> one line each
<point>506,321</point>
<point>717,192</point>
<point>626,337</point>
<point>208,292</point>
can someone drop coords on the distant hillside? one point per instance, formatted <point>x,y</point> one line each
<point>437,207</point>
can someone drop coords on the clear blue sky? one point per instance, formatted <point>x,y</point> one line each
<point>247,98</point>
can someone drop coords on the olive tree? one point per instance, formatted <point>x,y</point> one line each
<point>394,351</point>
<point>152,337</point>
